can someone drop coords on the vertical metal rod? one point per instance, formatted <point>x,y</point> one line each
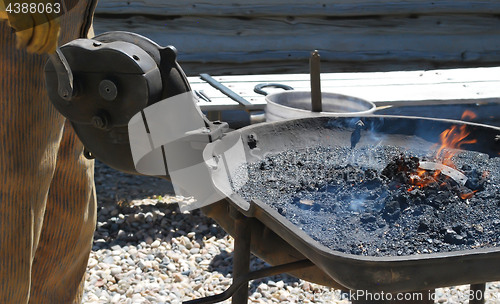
<point>241,257</point>
<point>477,293</point>
<point>314,70</point>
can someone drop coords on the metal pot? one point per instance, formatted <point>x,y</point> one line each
<point>291,104</point>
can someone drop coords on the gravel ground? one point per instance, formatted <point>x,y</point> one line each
<point>146,251</point>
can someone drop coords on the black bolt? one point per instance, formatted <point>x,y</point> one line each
<point>108,90</point>
<point>64,94</point>
<point>87,154</point>
<point>99,122</point>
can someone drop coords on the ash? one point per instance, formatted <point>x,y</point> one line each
<point>347,201</point>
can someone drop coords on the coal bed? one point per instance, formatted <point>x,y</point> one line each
<point>378,201</point>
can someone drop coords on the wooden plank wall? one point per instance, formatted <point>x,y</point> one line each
<point>277,36</point>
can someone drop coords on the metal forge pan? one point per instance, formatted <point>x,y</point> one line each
<point>277,240</point>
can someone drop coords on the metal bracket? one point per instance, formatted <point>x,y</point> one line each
<point>241,263</point>
<point>64,75</point>
<point>217,130</point>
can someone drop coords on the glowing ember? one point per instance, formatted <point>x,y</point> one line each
<point>467,195</point>
<point>421,178</point>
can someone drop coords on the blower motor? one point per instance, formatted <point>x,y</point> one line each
<point>99,84</point>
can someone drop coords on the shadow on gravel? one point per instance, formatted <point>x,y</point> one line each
<point>122,223</point>
<point>114,186</point>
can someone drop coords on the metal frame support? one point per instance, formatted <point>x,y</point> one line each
<point>242,275</point>
<point>238,290</point>
<point>241,257</point>
<point>261,273</point>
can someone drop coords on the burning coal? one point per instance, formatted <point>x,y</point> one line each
<point>442,170</point>
<point>365,207</point>
<point>421,175</point>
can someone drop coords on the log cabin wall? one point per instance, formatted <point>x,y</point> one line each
<point>277,36</point>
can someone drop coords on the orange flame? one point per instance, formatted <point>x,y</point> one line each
<point>451,140</point>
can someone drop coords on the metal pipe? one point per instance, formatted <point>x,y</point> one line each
<point>261,273</point>
<point>245,104</point>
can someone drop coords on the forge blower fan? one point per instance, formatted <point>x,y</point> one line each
<point>99,84</point>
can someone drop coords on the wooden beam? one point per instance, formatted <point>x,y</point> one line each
<point>378,43</point>
<point>340,8</point>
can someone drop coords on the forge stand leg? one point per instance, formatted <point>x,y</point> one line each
<point>241,256</point>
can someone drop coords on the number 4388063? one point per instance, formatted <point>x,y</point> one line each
<point>33,8</point>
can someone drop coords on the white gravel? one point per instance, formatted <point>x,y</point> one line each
<point>146,251</point>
